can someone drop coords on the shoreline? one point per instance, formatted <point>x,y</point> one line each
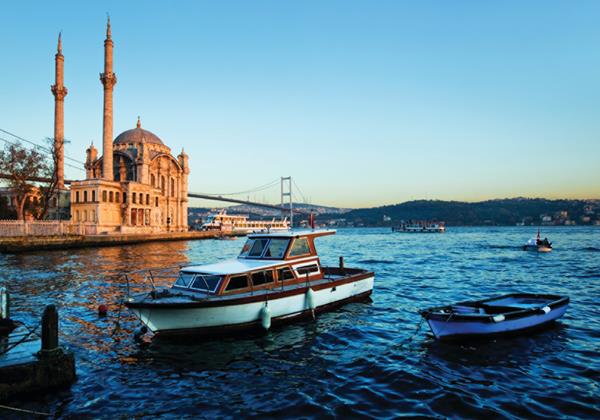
<point>19,244</point>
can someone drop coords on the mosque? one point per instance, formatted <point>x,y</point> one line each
<point>137,185</point>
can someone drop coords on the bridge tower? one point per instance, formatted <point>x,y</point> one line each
<point>109,80</point>
<point>286,193</point>
<point>59,91</point>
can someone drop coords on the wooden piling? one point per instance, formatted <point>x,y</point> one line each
<point>24,370</point>
<point>4,304</point>
<point>50,328</point>
<point>342,263</point>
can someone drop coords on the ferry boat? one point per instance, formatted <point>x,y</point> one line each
<point>239,223</point>
<point>277,278</point>
<point>420,227</point>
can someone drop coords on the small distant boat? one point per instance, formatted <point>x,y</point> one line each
<point>420,227</point>
<point>538,244</point>
<point>503,315</point>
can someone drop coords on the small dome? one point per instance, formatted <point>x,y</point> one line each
<point>137,135</point>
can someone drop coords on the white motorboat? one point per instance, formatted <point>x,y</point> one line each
<point>538,244</point>
<point>277,278</point>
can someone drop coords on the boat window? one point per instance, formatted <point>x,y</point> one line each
<point>300,247</point>
<point>276,248</point>
<point>184,279</point>
<point>237,282</point>
<point>206,282</point>
<point>262,277</point>
<point>247,247</point>
<point>310,269</point>
<point>284,274</point>
<point>258,247</point>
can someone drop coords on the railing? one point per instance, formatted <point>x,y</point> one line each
<point>13,228</point>
<point>141,281</point>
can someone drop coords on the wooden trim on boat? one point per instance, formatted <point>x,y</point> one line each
<point>274,294</point>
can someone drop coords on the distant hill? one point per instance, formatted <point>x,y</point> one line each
<point>509,211</point>
<point>490,212</point>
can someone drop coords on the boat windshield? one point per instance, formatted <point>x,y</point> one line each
<point>265,247</point>
<point>202,282</point>
<point>184,279</point>
<point>276,248</point>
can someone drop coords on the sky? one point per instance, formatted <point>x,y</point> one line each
<point>363,103</point>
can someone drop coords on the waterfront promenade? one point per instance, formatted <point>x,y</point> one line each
<point>36,243</point>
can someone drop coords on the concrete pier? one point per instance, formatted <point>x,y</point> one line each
<point>29,364</point>
<point>33,243</point>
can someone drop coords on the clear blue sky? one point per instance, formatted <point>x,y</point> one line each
<point>363,103</point>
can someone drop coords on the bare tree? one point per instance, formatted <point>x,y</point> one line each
<point>20,166</point>
<point>49,188</point>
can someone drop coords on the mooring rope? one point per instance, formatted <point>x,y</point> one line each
<point>23,410</point>
<point>30,332</point>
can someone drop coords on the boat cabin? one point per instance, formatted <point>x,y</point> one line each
<point>267,261</point>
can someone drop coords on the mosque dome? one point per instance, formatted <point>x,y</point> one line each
<point>137,135</point>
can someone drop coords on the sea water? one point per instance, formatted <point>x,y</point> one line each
<point>373,358</point>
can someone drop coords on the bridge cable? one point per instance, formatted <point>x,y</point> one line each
<point>40,146</point>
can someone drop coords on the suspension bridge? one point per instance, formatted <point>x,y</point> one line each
<point>286,183</point>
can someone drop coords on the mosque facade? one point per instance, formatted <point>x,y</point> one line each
<point>137,185</point>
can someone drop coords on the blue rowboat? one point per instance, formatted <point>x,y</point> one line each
<point>503,315</point>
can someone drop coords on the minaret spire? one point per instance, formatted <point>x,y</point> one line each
<point>108,79</point>
<point>59,91</point>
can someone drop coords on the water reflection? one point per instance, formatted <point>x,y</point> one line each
<point>360,360</point>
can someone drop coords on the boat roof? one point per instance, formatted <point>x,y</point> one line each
<point>235,266</point>
<point>293,233</point>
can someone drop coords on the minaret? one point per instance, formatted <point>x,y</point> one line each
<point>108,79</point>
<point>59,91</point>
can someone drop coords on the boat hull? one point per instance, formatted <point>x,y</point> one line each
<point>503,315</point>
<point>461,330</point>
<point>536,248</point>
<point>224,318</point>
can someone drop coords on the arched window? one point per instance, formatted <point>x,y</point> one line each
<point>153,180</point>
<point>147,199</point>
<point>172,187</point>
<point>162,184</point>
<point>94,196</point>
<point>104,195</point>
<point>77,196</point>
<point>85,196</point>
<point>133,198</point>
<point>117,197</point>
<point>111,197</point>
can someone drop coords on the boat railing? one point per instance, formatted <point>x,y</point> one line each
<point>149,278</point>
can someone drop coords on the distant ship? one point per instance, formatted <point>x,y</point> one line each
<point>420,227</point>
<point>239,223</point>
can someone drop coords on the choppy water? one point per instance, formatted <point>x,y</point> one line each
<point>357,361</point>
